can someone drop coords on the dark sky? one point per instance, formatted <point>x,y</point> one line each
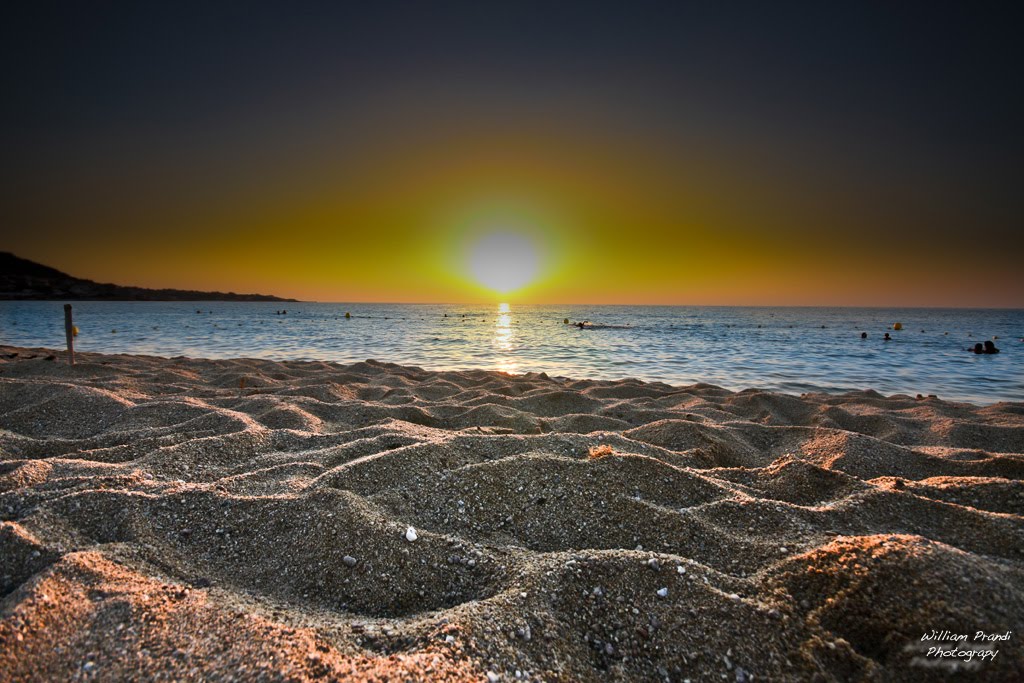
<point>825,147</point>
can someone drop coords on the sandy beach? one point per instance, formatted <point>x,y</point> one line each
<point>189,519</point>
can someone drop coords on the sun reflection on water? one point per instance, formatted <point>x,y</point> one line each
<point>503,338</point>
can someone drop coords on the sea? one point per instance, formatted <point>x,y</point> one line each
<point>793,350</point>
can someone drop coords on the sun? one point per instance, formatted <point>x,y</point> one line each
<point>503,261</point>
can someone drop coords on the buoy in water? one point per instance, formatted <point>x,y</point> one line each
<point>347,315</point>
<point>897,326</point>
<point>565,321</point>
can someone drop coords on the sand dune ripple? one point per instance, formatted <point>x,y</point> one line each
<point>244,519</point>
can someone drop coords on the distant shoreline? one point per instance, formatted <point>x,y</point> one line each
<point>24,280</point>
<point>212,297</point>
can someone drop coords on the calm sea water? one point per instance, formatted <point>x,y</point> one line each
<point>784,349</point>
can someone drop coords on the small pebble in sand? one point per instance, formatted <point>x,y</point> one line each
<point>492,677</point>
<point>681,569</point>
<point>349,561</point>
<point>410,534</point>
<point>663,592</point>
<point>653,564</point>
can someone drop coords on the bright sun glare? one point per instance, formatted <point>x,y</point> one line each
<point>503,261</point>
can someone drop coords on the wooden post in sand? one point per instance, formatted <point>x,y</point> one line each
<point>69,331</point>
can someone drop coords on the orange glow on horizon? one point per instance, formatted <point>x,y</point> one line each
<point>608,225</point>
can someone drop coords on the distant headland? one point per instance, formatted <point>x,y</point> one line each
<point>21,279</point>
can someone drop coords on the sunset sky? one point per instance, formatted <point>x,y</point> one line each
<point>834,154</point>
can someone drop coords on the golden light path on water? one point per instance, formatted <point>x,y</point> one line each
<point>503,338</point>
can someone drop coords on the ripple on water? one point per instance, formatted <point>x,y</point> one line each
<point>790,351</point>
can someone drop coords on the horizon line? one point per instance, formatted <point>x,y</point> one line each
<point>495,303</point>
<point>653,305</point>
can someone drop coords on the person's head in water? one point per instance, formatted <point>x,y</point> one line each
<point>863,335</point>
<point>978,348</point>
<point>990,347</point>
<point>887,337</point>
